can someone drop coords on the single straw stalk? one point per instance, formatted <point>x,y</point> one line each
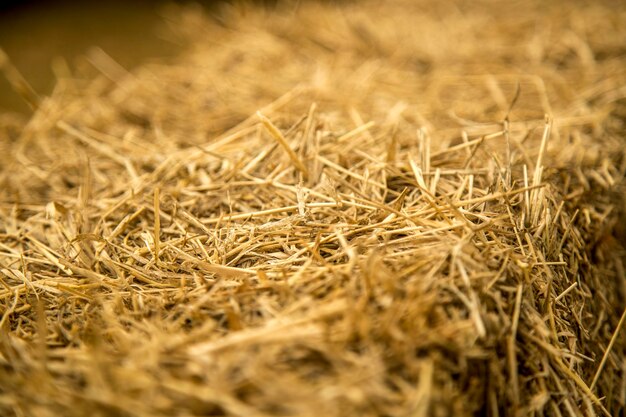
<point>277,134</point>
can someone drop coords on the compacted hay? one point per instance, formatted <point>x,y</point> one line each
<point>401,208</point>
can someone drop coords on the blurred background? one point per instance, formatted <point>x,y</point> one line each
<point>33,33</point>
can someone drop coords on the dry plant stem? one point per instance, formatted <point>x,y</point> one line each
<point>608,350</point>
<point>276,134</point>
<point>18,82</point>
<point>157,225</point>
<point>373,230</point>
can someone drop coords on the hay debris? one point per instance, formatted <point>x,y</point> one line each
<point>408,209</point>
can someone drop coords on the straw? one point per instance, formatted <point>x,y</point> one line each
<point>354,209</point>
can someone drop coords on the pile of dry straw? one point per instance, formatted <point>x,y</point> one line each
<point>406,208</point>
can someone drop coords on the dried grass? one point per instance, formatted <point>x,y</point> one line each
<point>408,209</point>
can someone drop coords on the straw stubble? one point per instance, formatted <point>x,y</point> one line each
<point>325,210</point>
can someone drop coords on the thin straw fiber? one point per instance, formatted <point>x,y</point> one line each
<point>399,208</point>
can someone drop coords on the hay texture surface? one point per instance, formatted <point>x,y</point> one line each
<point>399,208</point>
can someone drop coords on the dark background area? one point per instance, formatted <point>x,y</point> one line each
<point>33,33</point>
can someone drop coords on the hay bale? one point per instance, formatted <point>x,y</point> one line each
<point>408,209</point>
